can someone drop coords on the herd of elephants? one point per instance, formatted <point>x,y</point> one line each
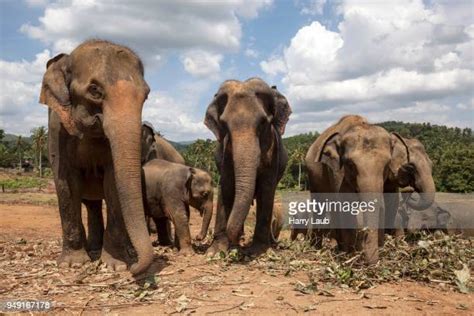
<point>101,150</point>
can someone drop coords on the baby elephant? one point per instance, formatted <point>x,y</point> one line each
<point>170,189</point>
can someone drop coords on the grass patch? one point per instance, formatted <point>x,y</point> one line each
<point>22,182</point>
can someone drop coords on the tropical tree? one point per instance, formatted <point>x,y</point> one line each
<point>20,146</point>
<point>40,138</point>
<point>200,154</point>
<point>297,157</point>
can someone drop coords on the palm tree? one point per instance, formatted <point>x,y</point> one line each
<point>20,147</point>
<point>39,137</point>
<point>298,156</point>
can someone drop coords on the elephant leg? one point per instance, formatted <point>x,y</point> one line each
<point>150,224</point>
<point>265,198</point>
<point>391,200</point>
<point>179,213</point>
<point>225,199</point>
<point>74,236</point>
<point>294,234</point>
<point>346,239</point>
<point>163,230</point>
<point>116,241</point>
<point>95,224</point>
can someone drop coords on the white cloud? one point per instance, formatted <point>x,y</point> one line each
<point>313,7</point>
<point>273,66</point>
<point>384,59</point>
<point>252,53</point>
<point>175,119</point>
<point>20,88</point>
<point>312,53</point>
<point>200,63</point>
<point>151,27</point>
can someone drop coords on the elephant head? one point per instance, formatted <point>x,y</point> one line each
<point>201,197</point>
<point>148,142</point>
<point>98,91</point>
<point>244,117</point>
<point>154,146</point>
<point>361,156</point>
<point>411,166</point>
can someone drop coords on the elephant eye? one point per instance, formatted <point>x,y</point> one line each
<point>95,91</point>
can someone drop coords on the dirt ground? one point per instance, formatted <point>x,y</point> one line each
<point>30,242</point>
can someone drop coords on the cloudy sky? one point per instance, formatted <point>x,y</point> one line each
<point>388,60</point>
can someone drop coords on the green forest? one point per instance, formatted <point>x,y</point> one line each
<point>450,148</point>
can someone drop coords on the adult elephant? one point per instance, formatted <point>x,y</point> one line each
<point>353,156</point>
<point>95,97</point>
<point>154,146</point>
<point>248,119</point>
<point>410,166</point>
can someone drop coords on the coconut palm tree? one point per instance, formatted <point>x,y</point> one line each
<point>297,156</point>
<point>40,138</point>
<point>20,147</point>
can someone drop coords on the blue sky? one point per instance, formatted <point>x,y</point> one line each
<point>401,60</point>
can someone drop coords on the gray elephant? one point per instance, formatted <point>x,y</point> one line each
<point>248,119</point>
<point>95,97</point>
<point>410,167</point>
<point>353,156</point>
<point>170,189</point>
<point>154,146</point>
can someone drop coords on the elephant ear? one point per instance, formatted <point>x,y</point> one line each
<point>282,110</point>
<point>214,110</point>
<point>148,142</point>
<point>400,153</point>
<point>55,91</point>
<point>329,152</point>
<point>190,173</point>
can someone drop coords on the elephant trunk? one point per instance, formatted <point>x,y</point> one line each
<point>425,186</point>
<point>246,156</point>
<point>371,190</point>
<point>207,215</point>
<point>122,126</point>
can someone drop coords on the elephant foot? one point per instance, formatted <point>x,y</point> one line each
<point>186,251</point>
<point>199,237</point>
<point>157,243</point>
<point>112,263</point>
<point>73,258</point>
<point>257,248</point>
<point>94,254</point>
<point>218,245</point>
<point>370,250</point>
<point>166,242</point>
